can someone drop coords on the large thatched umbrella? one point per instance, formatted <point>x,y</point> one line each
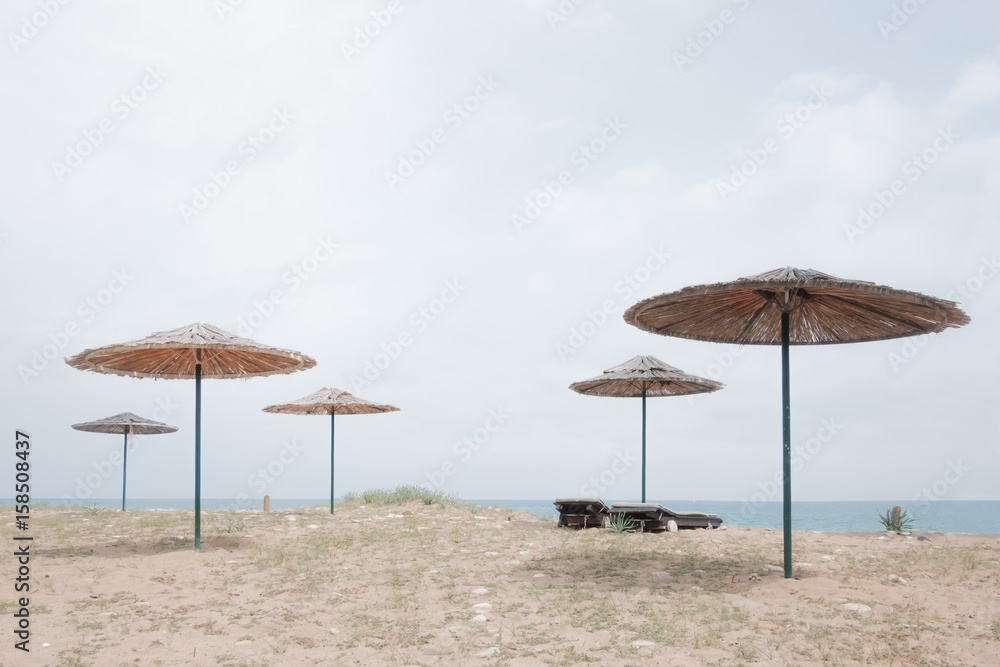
<point>331,402</point>
<point>645,376</point>
<point>194,351</point>
<point>126,423</point>
<point>793,307</point>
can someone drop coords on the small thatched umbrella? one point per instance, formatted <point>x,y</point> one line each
<point>194,351</point>
<point>125,423</point>
<point>793,307</point>
<point>645,376</point>
<point>331,402</point>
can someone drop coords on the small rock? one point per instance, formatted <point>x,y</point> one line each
<point>491,553</point>
<point>489,653</point>
<point>538,576</point>
<point>834,566</point>
<point>803,565</point>
<point>479,618</point>
<point>480,591</point>
<point>293,518</point>
<point>483,606</point>
<point>312,525</point>
<point>696,588</point>
<point>334,631</point>
<point>896,579</point>
<point>640,643</point>
<point>46,645</point>
<point>859,608</point>
<point>717,541</point>
<point>923,539</point>
<point>827,557</point>
<point>672,526</point>
<point>774,568</point>
<point>407,513</point>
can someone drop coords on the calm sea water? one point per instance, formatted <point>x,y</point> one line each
<point>954,516</point>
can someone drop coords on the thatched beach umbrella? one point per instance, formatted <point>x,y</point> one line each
<point>194,351</point>
<point>126,423</point>
<point>644,376</point>
<point>331,402</point>
<point>793,307</point>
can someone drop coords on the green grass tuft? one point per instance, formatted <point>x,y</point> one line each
<point>401,495</point>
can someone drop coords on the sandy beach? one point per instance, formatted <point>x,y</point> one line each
<point>418,584</point>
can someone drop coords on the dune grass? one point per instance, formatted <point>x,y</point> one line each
<point>401,495</point>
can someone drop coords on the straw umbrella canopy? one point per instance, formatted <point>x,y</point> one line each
<point>793,307</point>
<point>328,401</point>
<point>126,423</point>
<point>194,351</point>
<point>644,376</point>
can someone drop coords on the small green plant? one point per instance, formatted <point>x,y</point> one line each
<point>93,510</point>
<point>896,519</point>
<point>620,524</point>
<point>995,627</point>
<point>232,523</point>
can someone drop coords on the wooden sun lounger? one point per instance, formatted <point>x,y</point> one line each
<point>653,516</point>
<point>581,512</point>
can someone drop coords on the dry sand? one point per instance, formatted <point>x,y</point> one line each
<point>426,585</point>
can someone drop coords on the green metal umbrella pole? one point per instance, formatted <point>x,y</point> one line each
<point>643,443</point>
<point>333,415</point>
<point>786,447</point>
<point>640,377</point>
<point>124,468</point>
<point>197,453</point>
<point>125,423</point>
<point>330,401</point>
<point>792,306</point>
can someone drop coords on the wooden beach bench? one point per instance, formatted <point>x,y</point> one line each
<point>655,517</point>
<point>581,512</point>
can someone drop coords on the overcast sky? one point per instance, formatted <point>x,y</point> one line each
<point>450,205</point>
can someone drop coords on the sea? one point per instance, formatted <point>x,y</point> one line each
<point>945,516</point>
